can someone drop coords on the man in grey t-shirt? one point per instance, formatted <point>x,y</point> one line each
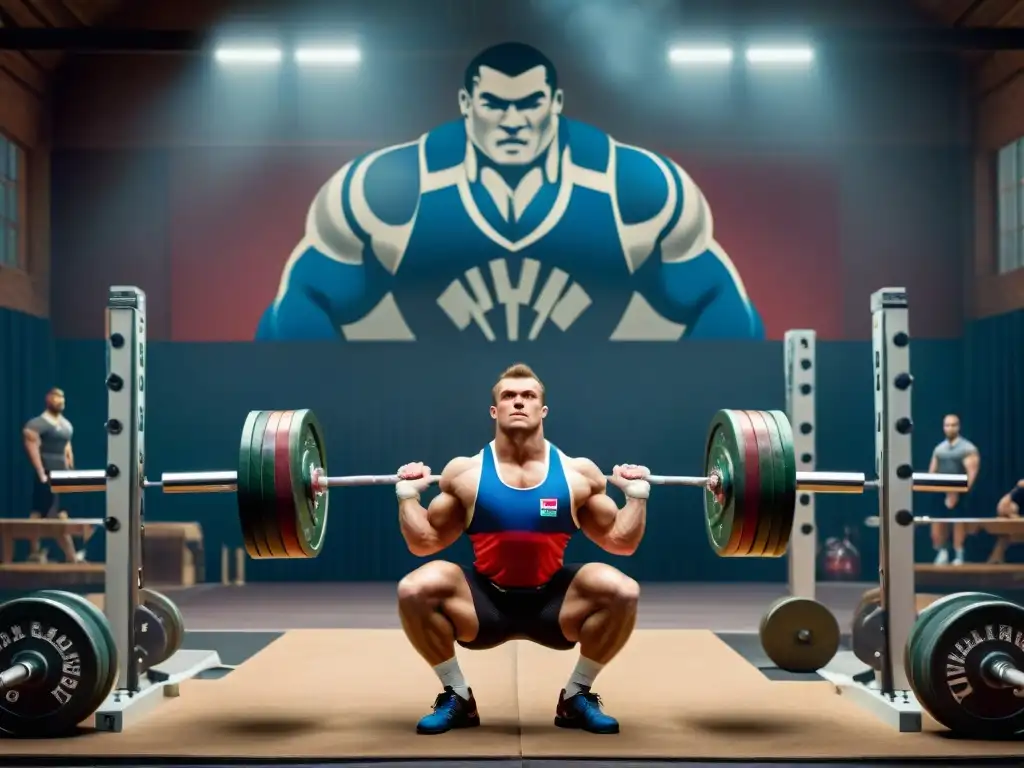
<point>958,456</point>
<point>47,440</point>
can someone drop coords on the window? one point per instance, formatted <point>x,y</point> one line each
<point>1010,214</point>
<point>12,198</point>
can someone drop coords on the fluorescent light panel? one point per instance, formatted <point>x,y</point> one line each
<point>311,55</point>
<point>247,55</point>
<point>773,55</point>
<point>700,55</point>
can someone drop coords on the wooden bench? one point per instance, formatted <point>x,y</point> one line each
<point>26,529</point>
<point>173,554</point>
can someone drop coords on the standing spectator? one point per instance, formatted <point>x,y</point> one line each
<point>956,455</point>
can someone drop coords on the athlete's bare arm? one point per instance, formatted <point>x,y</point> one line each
<point>617,531</point>
<point>429,530</point>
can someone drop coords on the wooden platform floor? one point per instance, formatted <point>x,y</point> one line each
<point>322,674</point>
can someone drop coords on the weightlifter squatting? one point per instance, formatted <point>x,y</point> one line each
<point>520,500</point>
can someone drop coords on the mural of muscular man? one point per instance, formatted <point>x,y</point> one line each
<point>513,208</point>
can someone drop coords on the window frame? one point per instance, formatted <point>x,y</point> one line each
<point>1010,193</point>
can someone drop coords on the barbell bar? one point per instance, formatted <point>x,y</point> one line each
<point>750,483</point>
<point>872,521</point>
<point>95,480</point>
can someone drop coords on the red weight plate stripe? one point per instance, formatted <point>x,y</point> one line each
<point>764,510</point>
<point>285,498</point>
<point>752,484</point>
<point>270,515</point>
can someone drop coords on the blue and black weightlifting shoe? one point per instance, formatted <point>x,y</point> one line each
<point>450,711</point>
<point>583,711</point>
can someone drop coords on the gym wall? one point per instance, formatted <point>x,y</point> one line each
<point>194,184</point>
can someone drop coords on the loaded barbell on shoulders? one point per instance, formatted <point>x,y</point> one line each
<point>750,483</point>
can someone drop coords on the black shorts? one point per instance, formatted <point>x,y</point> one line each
<point>44,501</point>
<point>528,613</point>
<point>937,505</point>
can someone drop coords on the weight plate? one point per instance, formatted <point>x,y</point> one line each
<point>953,656</point>
<point>866,629</point>
<point>733,456</point>
<point>249,495</point>
<point>308,455</point>
<point>920,626</point>
<point>66,649</point>
<point>268,471</point>
<point>782,524</point>
<point>150,639</point>
<point>170,617</point>
<point>760,528</point>
<point>799,635</point>
<point>755,478</point>
<point>284,496</point>
<point>771,482</point>
<point>107,663</point>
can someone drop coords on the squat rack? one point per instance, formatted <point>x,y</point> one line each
<point>886,693</point>
<point>124,523</point>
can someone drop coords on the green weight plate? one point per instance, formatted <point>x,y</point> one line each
<point>169,615</point>
<point>244,495</point>
<point>104,634</point>
<point>732,454</point>
<point>954,654</point>
<point>250,486</point>
<point>307,455</point>
<point>785,459</point>
<point>920,626</point>
<point>64,645</point>
<point>799,634</point>
<point>268,474</point>
<point>770,482</point>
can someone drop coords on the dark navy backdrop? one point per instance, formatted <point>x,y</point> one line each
<point>383,405</point>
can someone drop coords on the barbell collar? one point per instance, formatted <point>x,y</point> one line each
<point>1006,672</point>
<point>17,674</point>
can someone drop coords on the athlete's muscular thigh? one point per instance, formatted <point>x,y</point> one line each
<point>442,586</point>
<point>595,587</point>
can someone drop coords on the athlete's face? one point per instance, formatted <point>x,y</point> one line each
<point>512,120</point>
<point>519,405</point>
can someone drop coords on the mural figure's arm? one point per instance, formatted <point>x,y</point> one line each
<point>323,282</point>
<point>692,282</point>
<point>332,278</point>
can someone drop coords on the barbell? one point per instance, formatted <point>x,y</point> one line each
<point>750,483</point>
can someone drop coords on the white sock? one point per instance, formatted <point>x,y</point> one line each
<point>959,553</point>
<point>582,676</point>
<point>450,675</point>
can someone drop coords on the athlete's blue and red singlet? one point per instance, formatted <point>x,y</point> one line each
<point>519,535</point>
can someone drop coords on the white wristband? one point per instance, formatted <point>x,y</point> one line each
<point>637,489</point>
<point>405,490</point>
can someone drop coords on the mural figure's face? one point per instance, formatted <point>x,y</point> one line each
<point>512,120</point>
